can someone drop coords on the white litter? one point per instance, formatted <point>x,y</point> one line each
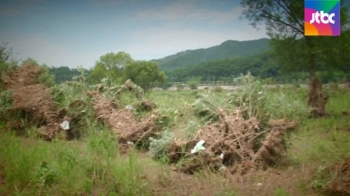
<point>221,156</point>
<point>199,147</point>
<point>222,168</point>
<point>65,125</point>
<point>259,184</point>
<point>256,127</point>
<point>129,107</point>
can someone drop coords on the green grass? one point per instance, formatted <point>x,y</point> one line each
<point>93,165</point>
<point>324,140</point>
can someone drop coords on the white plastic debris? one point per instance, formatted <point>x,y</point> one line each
<point>221,156</point>
<point>199,147</point>
<point>130,143</point>
<point>129,107</point>
<point>222,168</point>
<point>260,93</point>
<point>65,125</point>
<point>256,127</point>
<point>259,184</point>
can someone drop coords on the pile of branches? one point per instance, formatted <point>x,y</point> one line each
<point>335,179</point>
<point>123,123</point>
<point>233,144</point>
<point>33,100</point>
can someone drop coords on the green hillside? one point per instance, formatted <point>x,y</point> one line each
<point>227,49</point>
<point>261,65</point>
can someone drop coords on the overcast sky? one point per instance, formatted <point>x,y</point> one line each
<point>75,32</point>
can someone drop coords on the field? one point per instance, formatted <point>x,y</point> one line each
<point>101,158</point>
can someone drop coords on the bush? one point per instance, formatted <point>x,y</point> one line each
<point>193,86</point>
<point>251,98</point>
<point>218,89</point>
<point>159,147</point>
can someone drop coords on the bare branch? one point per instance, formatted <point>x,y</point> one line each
<point>274,18</point>
<point>286,8</point>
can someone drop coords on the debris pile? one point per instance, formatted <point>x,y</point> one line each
<point>336,178</point>
<point>316,99</point>
<point>123,123</point>
<point>33,99</point>
<point>130,86</point>
<point>233,144</point>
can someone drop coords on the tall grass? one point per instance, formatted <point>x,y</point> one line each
<point>92,166</point>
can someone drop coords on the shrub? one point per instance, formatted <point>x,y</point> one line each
<point>159,147</point>
<point>251,98</point>
<point>218,89</point>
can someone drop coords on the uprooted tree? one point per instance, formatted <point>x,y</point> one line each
<point>32,100</point>
<point>240,139</point>
<point>284,22</point>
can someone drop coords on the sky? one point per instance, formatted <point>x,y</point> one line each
<point>76,33</point>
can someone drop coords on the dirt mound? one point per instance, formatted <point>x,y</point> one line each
<point>316,99</point>
<point>123,123</point>
<point>337,177</point>
<point>33,100</point>
<point>232,144</point>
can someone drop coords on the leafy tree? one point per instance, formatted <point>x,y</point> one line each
<point>6,61</point>
<point>97,74</point>
<point>144,73</point>
<point>63,73</point>
<point>284,21</point>
<point>109,66</point>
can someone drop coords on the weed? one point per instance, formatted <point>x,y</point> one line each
<point>44,175</point>
<point>251,98</point>
<point>159,147</point>
<point>290,106</point>
<point>280,192</point>
<point>225,193</point>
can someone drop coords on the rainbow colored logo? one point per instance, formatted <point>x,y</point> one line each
<point>322,18</point>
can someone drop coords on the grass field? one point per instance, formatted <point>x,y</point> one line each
<point>93,165</point>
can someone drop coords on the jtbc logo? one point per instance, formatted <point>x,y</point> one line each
<point>317,17</point>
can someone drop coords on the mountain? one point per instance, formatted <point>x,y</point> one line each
<point>227,49</point>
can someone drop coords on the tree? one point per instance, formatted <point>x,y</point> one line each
<point>144,73</point>
<point>5,58</point>
<point>63,74</point>
<point>284,21</point>
<point>110,66</point>
<point>97,74</point>
<point>4,64</point>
